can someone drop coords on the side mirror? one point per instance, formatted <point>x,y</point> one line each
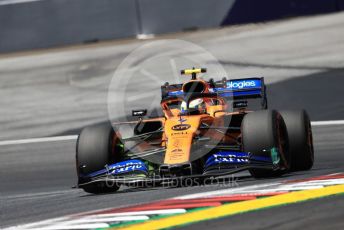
<point>139,113</point>
<point>240,104</point>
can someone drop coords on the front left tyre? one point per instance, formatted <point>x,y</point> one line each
<point>96,148</point>
<point>264,132</point>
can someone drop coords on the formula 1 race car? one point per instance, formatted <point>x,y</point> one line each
<point>207,130</point>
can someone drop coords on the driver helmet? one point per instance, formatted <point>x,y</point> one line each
<point>194,104</point>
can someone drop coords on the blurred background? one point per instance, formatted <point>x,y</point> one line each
<point>32,24</point>
<point>57,57</point>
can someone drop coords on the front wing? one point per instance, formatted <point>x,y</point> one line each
<point>217,165</point>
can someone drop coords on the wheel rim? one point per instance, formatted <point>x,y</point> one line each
<point>281,142</point>
<point>310,141</point>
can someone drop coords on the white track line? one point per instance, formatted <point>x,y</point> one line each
<point>37,140</point>
<point>149,212</point>
<point>74,137</point>
<point>70,227</point>
<point>94,219</point>
<point>322,123</point>
<point>11,2</point>
<point>265,188</point>
<point>89,220</point>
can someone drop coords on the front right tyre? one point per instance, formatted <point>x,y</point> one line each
<point>300,139</point>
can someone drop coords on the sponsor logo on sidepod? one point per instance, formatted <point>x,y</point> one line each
<point>241,84</point>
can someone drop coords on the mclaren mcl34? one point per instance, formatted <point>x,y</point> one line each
<point>208,129</point>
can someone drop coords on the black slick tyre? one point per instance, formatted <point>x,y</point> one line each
<point>300,139</point>
<point>95,149</point>
<point>263,131</point>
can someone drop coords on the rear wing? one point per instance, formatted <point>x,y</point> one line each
<point>241,89</point>
<point>236,90</point>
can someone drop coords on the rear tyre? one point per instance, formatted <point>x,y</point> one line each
<point>300,139</point>
<point>263,131</point>
<point>95,149</point>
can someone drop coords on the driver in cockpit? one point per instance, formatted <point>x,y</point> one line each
<point>194,104</point>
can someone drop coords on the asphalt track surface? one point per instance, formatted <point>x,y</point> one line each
<point>59,91</point>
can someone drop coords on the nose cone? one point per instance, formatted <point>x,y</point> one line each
<point>178,149</point>
<point>180,136</point>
